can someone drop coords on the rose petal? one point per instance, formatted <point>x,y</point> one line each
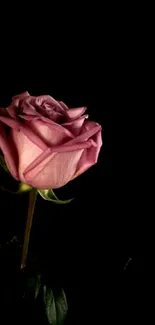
<point>49,100</point>
<point>13,109</point>
<point>63,105</point>
<point>27,150</point>
<point>26,129</point>
<point>89,125</point>
<point>57,172</point>
<point>28,106</point>
<point>54,125</point>
<point>10,122</point>
<point>33,136</point>
<point>86,133</point>
<point>75,112</point>
<point>3,112</point>
<point>89,156</point>
<point>47,155</point>
<point>29,110</point>
<point>75,125</point>
<point>39,161</point>
<point>21,96</point>
<point>9,151</point>
<point>49,112</point>
<point>50,135</point>
<point>80,141</point>
<point>50,124</point>
<point>26,117</point>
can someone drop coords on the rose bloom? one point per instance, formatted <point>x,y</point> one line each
<point>46,144</point>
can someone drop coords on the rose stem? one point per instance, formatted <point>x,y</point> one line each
<point>31,206</point>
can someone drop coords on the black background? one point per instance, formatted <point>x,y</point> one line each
<point>84,244</point>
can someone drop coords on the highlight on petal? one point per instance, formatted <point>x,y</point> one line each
<point>9,152</point>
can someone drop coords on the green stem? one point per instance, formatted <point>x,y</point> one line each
<point>31,206</point>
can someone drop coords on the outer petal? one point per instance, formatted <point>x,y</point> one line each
<point>9,151</point>
<point>80,142</point>
<point>27,151</point>
<point>89,156</point>
<point>86,133</point>
<point>13,109</point>
<point>34,137</point>
<point>10,122</point>
<point>47,171</point>
<point>57,172</point>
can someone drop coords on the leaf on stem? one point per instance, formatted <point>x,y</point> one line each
<point>55,306</point>
<point>49,195</point>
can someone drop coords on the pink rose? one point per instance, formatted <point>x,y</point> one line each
<point>45,143</point>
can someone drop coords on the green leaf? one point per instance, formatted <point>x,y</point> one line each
<point>52,302</point>
<point>3,164</point>
<point>34,285</point>
<point>38,285</point>
<point>55,306</point>
<point>50,196</point>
